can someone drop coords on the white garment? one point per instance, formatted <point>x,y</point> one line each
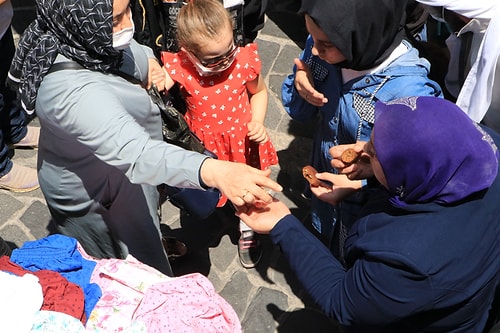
<point>6,14</point>
<point>477,27</point>
<point>467,8</point>
<point>231,3</point>
<point>349,74</point>
<point>22,298</point>
<point>476,94</point>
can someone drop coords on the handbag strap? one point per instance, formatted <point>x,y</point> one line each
<point>59,66</point>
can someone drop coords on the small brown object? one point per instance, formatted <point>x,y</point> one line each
<point>309,174</point>
<point>349,156</point>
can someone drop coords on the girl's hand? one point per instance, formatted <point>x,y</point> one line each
<point>257,132</point>
<point>305,85</point>
<point>156,75</point>
<point>342,187</point>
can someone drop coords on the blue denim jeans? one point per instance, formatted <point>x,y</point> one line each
<point>12,117</point>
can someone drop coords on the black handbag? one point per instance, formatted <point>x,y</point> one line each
<point>199,204</point>
<point>175,128</point>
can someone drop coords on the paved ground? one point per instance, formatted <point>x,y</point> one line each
<point>268,298</point>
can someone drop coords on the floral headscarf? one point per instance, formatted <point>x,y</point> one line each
<point>431,151</point>
<point>80,30</point>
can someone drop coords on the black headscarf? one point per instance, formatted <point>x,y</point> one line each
<point>365,31</point>
<point>81,30</point>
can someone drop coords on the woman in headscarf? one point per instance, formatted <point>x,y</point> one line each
<point>356,55</point>
<point>425,255</point>
<point>101,152</point>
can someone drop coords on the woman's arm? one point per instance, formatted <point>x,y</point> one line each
<point>371,292</point>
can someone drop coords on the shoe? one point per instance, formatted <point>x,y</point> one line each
<point>30,141</point>
<point>20,179</point>
<point>5,249</point>
<point>249,249</point>
<point>175,248</point>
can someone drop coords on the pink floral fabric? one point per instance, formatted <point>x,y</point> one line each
<point>134,293</point>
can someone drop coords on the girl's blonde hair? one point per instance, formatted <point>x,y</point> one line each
<point>201,20</point>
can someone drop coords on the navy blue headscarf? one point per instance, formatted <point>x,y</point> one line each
<point>431,151</point>
<point>81,30</point>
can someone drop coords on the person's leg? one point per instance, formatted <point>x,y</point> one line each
<point>129,224</point>
<point>13,128</point>
<point>13,118</point>
<point>5,57</point>
<point>135,221</point>
<point>253,18</point>
<point>13,177</point>
<point>5,162</point>
<point>249,247</point>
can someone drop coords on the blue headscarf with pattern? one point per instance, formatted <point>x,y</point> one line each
<point>431,151</point>
<point>80,30</point>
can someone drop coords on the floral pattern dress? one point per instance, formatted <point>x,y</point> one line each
<point>218,106</point>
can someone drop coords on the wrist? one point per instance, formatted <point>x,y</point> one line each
<point>370,182</point>
<point>206,178</point>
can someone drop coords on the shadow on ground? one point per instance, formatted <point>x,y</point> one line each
<point>284,14</point>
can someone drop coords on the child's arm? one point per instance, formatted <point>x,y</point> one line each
<point>169,82</point>
<point>258,102</point>
<point>158,76</point>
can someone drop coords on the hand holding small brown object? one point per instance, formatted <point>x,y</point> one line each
<point>349,156</point>
<point>309,173</point>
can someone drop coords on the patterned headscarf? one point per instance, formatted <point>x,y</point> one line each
<point>431,151</point>
<point>81,30</point>
<point>365,31</point>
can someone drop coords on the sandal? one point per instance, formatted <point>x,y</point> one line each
<point>30,141</point>
<point>175,248</point>
<point>20,179</point>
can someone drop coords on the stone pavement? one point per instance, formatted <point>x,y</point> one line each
<point>267,298</point>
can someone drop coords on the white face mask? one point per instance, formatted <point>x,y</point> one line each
<point>205,71</point>
<point>122,38</point>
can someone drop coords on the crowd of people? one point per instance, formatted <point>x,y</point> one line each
<point>408,234</point>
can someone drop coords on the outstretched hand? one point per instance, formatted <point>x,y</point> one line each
<point>263,219</point>
<point>240,183</point>
<point>305,85</point>
<point>341,187</point>
<point>359,170</point>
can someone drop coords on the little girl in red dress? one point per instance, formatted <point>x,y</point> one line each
<point>225,94</point>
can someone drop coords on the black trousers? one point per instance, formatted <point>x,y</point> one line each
<point>12,117</point>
